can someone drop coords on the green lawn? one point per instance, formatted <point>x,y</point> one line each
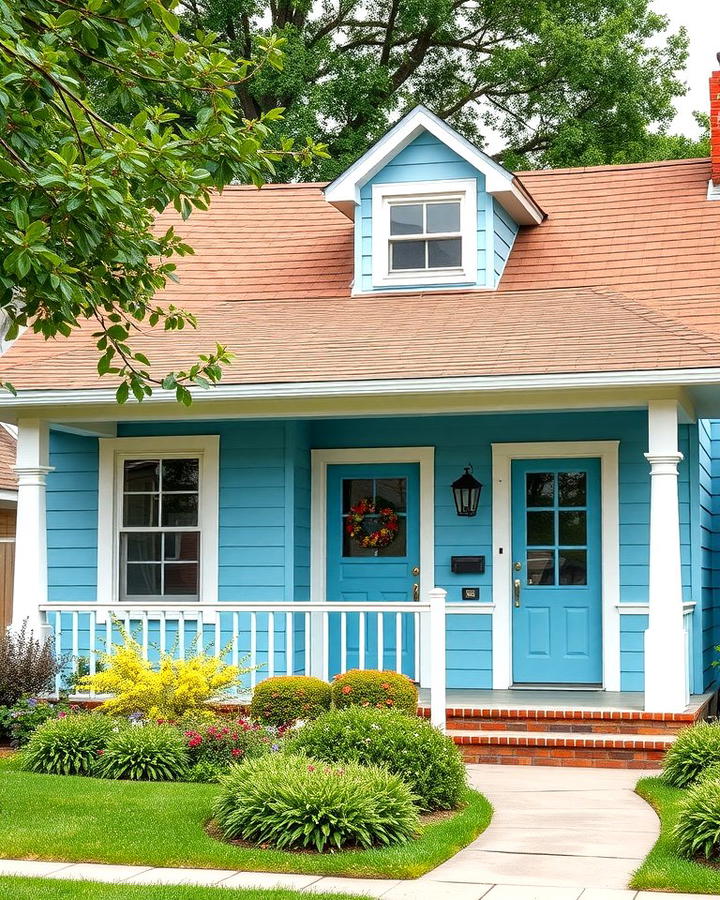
<point>47,889</point>
<point>162,824</point>
<point>664,869</point>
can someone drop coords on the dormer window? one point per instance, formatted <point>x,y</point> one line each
<point>424,234</point>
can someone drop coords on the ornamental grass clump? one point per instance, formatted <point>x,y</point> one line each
<point>69,745</point>
<point>144,753</point>
<point>164,691</point>
<point>382,690</point>
<point>288,699</point>
<point>428,761</point>
<point>296,803</point>
<point>694,750</point>
<point>697,831</point>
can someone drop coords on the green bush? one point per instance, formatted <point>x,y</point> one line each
<point>287,699</point>
<point>217,743</point>
<point>368,687</point>
<point>698,826</point>
<point>22,718</point>
<point>69,745</point>
<point>694,750</point>
<point>293,802</point>
<point>145,753</point>
<point>428,761</point>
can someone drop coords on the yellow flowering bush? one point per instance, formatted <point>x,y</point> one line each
<point>163,691</point>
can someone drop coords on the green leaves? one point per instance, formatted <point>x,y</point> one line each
<point>108,116</point>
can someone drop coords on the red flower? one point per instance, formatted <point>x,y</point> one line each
<point>346,689</point>
<point>236,751</point>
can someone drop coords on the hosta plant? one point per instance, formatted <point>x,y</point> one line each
<point>694,750</point>
<point>69,745</point>
<point>296,803</point>
<point>144,753</point>
<point>697,831</point>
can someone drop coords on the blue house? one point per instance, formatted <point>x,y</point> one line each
<point>468,435</point>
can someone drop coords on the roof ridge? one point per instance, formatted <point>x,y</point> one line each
<point>615,167</point>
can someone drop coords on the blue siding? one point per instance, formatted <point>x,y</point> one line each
<point>632,652</point>
<point>428,159</point>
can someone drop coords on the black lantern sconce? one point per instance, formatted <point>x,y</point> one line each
<point>466,493</point>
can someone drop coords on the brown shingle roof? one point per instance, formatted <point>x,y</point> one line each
<point>8,450</point>
<point>623,274</point>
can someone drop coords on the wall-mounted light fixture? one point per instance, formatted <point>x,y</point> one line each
<point>466,493</point>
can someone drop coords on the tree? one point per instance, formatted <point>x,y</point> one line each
<point>556,83</point>
<point>79,191</point>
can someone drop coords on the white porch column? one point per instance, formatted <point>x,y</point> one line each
<point>30,586</point>
<point>665,646</point>
<point>438,658</point>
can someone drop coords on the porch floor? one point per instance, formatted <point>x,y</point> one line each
<point>547,699</point>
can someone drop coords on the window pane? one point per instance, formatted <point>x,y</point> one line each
<point>407,255</point>
<point>139,547</point>
<point>445,254</point>
<point>393,490</point>
<point>573,527</point>
<point>406,218</point>
<point>573,567</point>
<point>540,528</point>
<point>141,475</point>
<point>180,474</point>
<point>140,510</point>
<point>179,509</point>
<point>539,488</point>
<point>541,567</point>
<point>572,489</point>
<point>354,489</point>
<point>143,579</point>
<point>181,578</point>
<point>443,218</point>
<point>182,545</point>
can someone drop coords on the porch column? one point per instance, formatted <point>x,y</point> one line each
<point>665,648</point>
<point>30,586</point>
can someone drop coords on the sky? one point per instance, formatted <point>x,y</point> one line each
<point>702,20</point>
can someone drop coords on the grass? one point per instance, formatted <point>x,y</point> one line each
<point>664,869</point>
<point>54,889</point>
<point>60,817</point>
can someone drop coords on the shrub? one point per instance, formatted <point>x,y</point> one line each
<point>286,699</point>
<point>68,745</point>
<point>383,690</point>
<point>163,692</point>
<point>144,753</point>
<point>218,743</point>
<point>19,721</point>
<point>293,802</point>
<point>27,665</point>
<point>425,759</point>
<point>695,749</point>
<point>698,826</point>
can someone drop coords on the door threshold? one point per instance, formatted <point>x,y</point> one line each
<point>554,686</point>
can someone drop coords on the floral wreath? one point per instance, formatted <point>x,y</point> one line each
<point>387,529</point>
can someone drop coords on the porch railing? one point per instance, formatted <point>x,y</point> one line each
<point>318,639</point>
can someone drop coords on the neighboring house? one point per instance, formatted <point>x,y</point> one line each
<point>557,331</point>
<point>8,507</point>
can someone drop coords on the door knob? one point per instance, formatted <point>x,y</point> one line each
<point>416,593</point>
<point>516,592</point>
<point>415,571</point>
<point>517,566</point>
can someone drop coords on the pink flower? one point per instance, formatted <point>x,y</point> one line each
<point>346,689</point>
<point>236,751</point>
<point>311,768</point>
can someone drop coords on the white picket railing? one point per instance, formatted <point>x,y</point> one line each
<point>270,638</point>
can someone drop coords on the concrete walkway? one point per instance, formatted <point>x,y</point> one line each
<point>557,834</point>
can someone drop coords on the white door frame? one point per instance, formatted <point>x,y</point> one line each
<point>502,456</point>
<point>321,459</point>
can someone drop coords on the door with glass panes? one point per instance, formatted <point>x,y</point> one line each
<point>366,574</point>
<point>556,577</point>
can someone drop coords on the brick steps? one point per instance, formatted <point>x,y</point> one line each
<point>567,720</point>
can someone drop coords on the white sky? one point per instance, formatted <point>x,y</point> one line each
<point>702,20</point>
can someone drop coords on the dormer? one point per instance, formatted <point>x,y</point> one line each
<point>430,210</point>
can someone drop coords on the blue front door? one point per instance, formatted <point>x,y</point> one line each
<point>556,591</point>
<point>356,574</point>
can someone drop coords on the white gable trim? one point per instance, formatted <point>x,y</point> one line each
<point>344,192</point>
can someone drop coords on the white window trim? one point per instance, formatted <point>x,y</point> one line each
<point>502,456</point>
<point>383,195</point>
<point>113,451</point>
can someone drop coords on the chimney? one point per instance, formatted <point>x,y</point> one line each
<point>715,128</point>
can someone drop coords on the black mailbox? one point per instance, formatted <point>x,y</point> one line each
<point>467,565</point>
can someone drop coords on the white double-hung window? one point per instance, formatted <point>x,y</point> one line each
<point>158,520</point>
<point>424,233</point>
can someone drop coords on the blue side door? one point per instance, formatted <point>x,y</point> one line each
<point>361,575</point>
<point>557,590</point>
